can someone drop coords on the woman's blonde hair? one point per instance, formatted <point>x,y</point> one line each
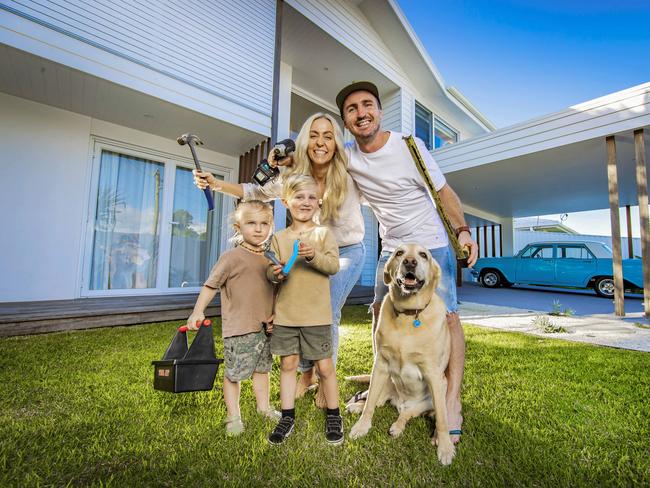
<point>336,187</point>
<point>250,206</point>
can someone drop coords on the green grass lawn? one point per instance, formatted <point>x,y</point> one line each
<point>79,409</point>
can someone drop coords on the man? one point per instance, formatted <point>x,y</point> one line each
<point>383,169</point>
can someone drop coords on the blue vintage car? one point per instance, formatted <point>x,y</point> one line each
<point>584,264</point>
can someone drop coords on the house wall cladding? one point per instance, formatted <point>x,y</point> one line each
<point>347,24</point>
<point>224,47</point>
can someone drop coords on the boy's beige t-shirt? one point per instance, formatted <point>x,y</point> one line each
<point>246,294</point>
<point>304,297</point>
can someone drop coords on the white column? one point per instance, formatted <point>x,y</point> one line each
<point>284,129</point>
<point>508,236</point>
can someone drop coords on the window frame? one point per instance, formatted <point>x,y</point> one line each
<point>440,121</point>
<point>170,162</point>
<point>430,121</point>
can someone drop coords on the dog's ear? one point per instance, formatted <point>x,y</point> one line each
<point>388,269</point>
<point>434,273</point>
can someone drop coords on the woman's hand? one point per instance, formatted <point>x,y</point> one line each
<point>286,161</point>
<point>306,250</point>
<point>195,320</point>
<point>203,179</point>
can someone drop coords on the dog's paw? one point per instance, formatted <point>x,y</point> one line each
<point>359,429</point>
<point>446,450</point>
<point>354,407</point>
<point>396,429</point>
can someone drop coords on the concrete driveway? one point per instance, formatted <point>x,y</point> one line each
<point>519,308</point>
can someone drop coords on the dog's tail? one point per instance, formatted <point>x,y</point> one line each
<point>362,378</point>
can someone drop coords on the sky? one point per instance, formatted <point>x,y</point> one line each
<point>516,60</point>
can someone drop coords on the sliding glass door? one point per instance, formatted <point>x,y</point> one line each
<point>127,223</point>
<point>194,233</point>
<point>150,228</point>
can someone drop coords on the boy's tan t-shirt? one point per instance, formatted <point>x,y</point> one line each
<point>246,294</point>
<point>304,297</point>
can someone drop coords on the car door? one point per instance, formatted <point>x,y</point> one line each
<point>536,265</point>
<point>574,264</point>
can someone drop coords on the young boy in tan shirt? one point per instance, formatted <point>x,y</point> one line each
<point>303,315</point>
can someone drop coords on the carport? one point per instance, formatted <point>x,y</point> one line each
<point>587,157</point>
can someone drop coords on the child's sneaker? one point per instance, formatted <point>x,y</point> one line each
<point>270,413</point>
<point>234,425</point>
<point>282,430</point>
<point>334,429</point>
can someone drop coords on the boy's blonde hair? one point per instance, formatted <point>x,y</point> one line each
<point>238,214</point>
<point>337,176</point>
<point>296,183</point>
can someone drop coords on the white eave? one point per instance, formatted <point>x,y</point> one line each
<point>551,164</point>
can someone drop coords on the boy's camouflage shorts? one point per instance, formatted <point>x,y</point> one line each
<point>245,354</point>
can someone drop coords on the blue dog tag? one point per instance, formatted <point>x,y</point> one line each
<point>417,323</point>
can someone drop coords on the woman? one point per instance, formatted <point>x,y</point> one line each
<point>319,153</point>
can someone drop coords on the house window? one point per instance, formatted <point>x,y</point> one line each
<point>423,124</point>
<point>444,134</point>
<point>151,227</point>
<point>127,223</point>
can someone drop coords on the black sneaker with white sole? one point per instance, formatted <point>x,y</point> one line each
<point>282,430</point>
<point>334,429</point>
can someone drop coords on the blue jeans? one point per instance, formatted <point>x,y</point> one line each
<point>446,287</point>
<point>351,259</point>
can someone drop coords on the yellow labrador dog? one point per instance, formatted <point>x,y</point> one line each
<point>412,348</point>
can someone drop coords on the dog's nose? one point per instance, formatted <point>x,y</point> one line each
<point>410,263</point>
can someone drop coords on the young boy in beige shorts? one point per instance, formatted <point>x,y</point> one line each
<point>303,315</point>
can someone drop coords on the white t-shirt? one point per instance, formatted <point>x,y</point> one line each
<point>391,184</point>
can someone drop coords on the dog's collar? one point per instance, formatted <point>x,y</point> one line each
<point>412,311</point>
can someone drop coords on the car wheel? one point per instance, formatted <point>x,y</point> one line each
<point>491,279</point>
<point>604,287</point>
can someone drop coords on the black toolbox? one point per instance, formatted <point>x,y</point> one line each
<point>182,369</point>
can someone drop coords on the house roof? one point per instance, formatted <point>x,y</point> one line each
<point>552,164</point>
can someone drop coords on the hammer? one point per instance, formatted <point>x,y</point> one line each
<point>191,140</point>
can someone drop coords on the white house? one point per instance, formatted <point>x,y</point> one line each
<point>97,195</point>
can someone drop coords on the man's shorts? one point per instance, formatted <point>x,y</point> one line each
<point>246,354</point>
<point>446,286</point>
<point>313,342</point>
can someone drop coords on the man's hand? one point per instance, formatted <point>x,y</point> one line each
<point>203,179</point>
<point>195,320</point>
<point>465,240</point>
<point>306,250</point>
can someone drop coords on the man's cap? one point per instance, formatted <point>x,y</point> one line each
<point>354,87</point>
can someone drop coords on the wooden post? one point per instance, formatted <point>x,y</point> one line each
<point>500,240</point>
<point>630,242</point>
<point>494,247</point>
<point>642,195</point>
<point>485,251</point>
<point>478,240</point>
<point>617,265</point>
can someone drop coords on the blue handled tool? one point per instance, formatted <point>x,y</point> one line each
<point>191,140</point>
<point>292,259</point>
<point>270,255</point>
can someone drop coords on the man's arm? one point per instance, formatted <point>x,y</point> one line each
<point>454,210</point>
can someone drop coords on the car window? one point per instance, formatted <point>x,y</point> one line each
<point>543,252</point>
<point>528,252</point>
<point>574,252</point>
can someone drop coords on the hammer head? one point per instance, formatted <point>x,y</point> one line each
<point>189,139</point>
